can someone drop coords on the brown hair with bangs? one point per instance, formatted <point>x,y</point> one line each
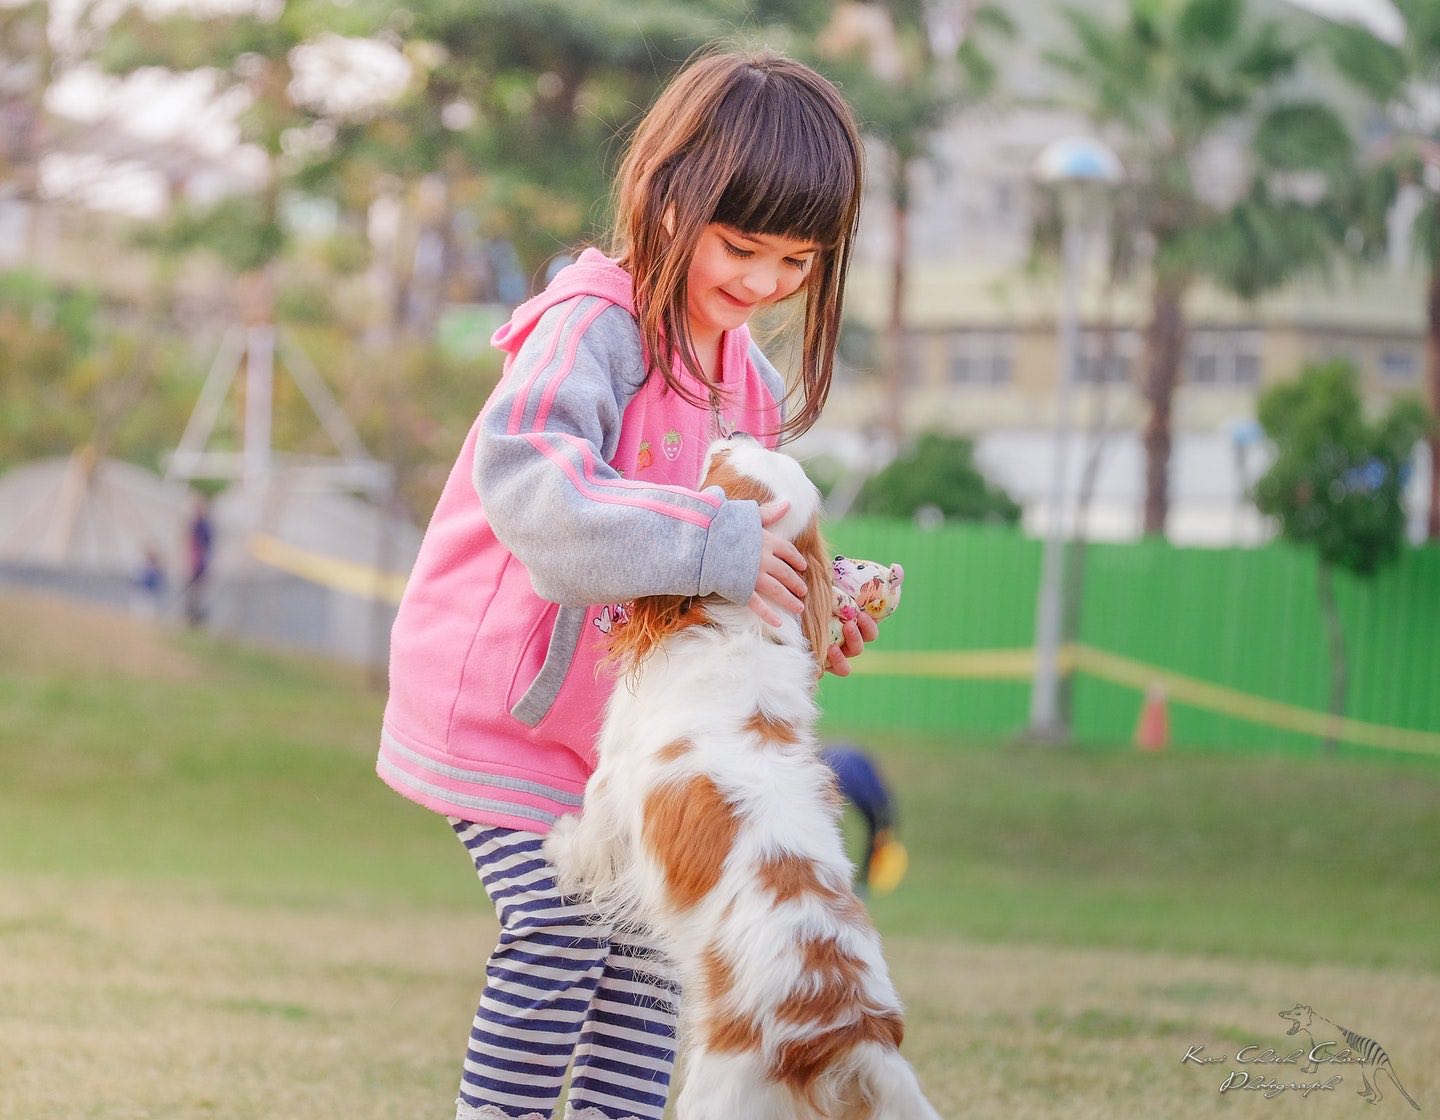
<point>764,145</point>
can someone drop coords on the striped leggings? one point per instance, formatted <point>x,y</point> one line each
<point>557,986</point>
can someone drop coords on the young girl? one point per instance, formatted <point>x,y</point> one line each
<point>573,494</point>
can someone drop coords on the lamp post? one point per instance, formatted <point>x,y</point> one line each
<point>1080,169</point>
<point>1245,433</point>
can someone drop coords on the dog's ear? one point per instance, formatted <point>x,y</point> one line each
<point>652,619</point>
<point>737,487</point>
<point>819,591</point>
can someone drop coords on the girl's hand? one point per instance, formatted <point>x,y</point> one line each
<point>854,634</point>
<point>779,586</point>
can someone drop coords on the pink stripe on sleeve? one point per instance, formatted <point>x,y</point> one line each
<point>598,490</point>
<point>625,483</point>
<point>517,411</point>
<point>548,399</point>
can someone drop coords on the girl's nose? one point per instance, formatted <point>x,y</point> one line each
<point>762,281</point>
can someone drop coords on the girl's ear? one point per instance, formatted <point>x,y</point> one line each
<point>819,591</point>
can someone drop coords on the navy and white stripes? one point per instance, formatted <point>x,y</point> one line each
<point>559,985</point>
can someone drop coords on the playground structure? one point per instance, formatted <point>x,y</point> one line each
<point>83,523</point>
<point>308,550</point>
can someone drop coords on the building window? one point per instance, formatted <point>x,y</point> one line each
<point>1223,359</point>
<point>1004,199</point>
<point>1399,363</point>
<point>982,357</point>
<point>1107,356</point>
<point>1324,350</point>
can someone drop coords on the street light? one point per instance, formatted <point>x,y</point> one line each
<point>1080,169</point>
<point>1244,432</point>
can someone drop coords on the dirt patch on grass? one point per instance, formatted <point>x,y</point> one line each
<point>167,1002</point>
<point>42,633</point>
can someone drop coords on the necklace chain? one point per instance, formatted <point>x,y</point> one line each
<point>717,422</point>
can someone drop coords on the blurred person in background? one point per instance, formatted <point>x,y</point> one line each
<point>202,545</point>
<point>861,783</point>
<point>151,583</point>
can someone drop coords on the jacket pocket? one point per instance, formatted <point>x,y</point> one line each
<point>539,696</point>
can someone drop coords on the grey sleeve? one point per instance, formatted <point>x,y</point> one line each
<point>542,470</point>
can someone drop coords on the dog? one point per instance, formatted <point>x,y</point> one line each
<point>712,822</point>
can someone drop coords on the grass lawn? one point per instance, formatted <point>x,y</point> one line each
<point>209,907</point>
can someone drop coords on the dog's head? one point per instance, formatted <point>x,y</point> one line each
<point>746,471</point>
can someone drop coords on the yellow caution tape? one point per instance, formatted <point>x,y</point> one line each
<point>994,664</point>
<point>1255,709</point>
<point>342,575</point>
<point>1018,664</point>
<point>979,664</point>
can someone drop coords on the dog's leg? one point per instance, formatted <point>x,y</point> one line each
<point>888,1081</point>
<point>587,849</point>
<point>729,1086</point>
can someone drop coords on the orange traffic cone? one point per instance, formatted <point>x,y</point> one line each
<point>1152,732</point>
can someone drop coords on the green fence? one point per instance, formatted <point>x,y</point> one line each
<point>1246,620</point>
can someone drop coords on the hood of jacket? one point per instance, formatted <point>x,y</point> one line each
<point>593,274</point>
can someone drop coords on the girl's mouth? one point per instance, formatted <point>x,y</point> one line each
<point>740,303</point>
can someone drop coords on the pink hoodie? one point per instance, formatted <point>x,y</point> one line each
<point>574,493</point>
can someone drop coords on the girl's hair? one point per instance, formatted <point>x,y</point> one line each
<point>762,144</point>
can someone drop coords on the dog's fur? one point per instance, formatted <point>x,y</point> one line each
<point>712,821</point>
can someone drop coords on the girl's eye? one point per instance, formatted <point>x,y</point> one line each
<point>801,263</point>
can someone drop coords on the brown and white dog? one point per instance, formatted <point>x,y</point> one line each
<point>712,822</point>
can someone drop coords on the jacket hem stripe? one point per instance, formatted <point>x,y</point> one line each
<point>390,745</point>
<point>406,781</point>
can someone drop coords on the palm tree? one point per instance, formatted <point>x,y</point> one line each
<point>1400,76</point>
<point>1166,80</point>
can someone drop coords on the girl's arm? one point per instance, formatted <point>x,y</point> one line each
<point>542,470</point>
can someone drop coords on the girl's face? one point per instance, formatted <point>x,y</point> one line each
<point>732,275</point>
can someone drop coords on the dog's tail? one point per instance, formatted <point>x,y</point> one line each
<point>878,1084</point>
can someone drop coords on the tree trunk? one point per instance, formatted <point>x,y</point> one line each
<point>1432,380</point>
<point>24,137</point>
<point>1339,670</point>
<point>895,379</point>
<point>1164,350</point>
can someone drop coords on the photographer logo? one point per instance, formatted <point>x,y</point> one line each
<point>1320,1067</point>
